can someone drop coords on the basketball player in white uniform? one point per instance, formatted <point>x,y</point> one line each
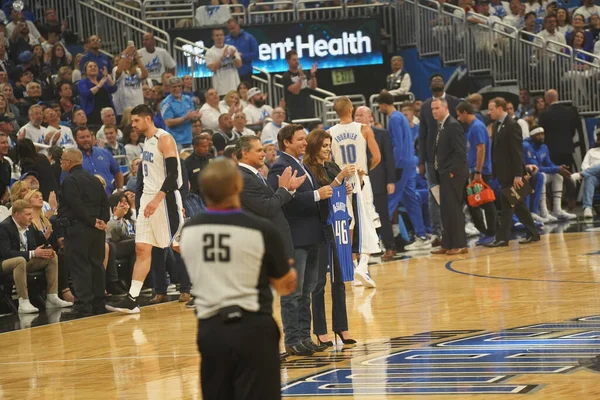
<point>349,144</point>
<point>161,216</point>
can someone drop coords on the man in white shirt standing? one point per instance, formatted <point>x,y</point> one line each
<point>398,82</point>
<point>271,129</point>
<point>223,60</point>
<point>587,9</point>
<point>239,125</point>
<point>155,59</point>
<point>590,172</point>
<point>256,110</point>
<point>33,130</point>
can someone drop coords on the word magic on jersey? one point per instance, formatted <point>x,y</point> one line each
<point>454,362</point>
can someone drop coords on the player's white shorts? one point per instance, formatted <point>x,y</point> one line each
<point>162,226</point>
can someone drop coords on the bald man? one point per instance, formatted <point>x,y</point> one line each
<point>156,60</point>
<point>234,258</point>
<point>83,211</point>
<point>560,122</point>
<point>383,180</point>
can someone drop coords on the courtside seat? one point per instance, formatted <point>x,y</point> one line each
<point>36,284</point>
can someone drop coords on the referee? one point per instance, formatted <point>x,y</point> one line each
<point>233,258</point>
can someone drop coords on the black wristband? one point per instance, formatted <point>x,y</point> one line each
<point>477,172</point>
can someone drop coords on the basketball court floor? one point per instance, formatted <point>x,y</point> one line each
<point>496,323</point>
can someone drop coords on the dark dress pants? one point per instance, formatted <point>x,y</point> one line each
<point>84,249</point>
<point>167,259</point>
<point>338,292</point>
<point>239,359</point>
<point>506,219</point>
<point>451,211</point>
<point>489,209</point>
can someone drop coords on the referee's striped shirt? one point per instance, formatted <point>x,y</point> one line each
<point>230,256</point>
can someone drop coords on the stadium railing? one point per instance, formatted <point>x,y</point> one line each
<point>166,14</point>
<point>505,58</point>
<point>115,27</point>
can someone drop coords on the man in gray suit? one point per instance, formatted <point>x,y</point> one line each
<point>257,196</point>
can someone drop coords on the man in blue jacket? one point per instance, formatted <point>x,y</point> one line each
<point>246,45</point>
<point>406,170</point>
<point>536,152</point>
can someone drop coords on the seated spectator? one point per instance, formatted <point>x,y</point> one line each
<point>530,26</point>
<point>550,33</point>
<point>20,83</point>
<point>98,161</point>
<point>6,65</point>
<point>270,156</point>
<point>76,73</point>
<point>129,75</point>
<point>239,125</point>
<point>79,120</point>
<point>594,27</point>
<point>499,8</point>
<point>590,173</point>
<point>34,130</point>
<point>133,147</point>
<point>46,236</point>
<point>272,128</point>
<point>225,135</point>
<point>66,102</point>
<point>514,16</point>
<point>525,107</point>
<point>536,152</point>
<point>31,161</point>
<point>188,86</point>
<point>231,99</point>
<point>579,26</point>
<point>196,127</point>
<point>587,9</point>
<point>398,82</point>
<point>6,109</point>
<point>20,253</point>
<point>57,57</point>
<point>242,90</point>
<point>540,107</point>
<point>578,42</point>
<point>510,110</point>
<point>563,24</point>
<point>212,110</point>
<point>178,111</point>
<point>201,156</point>
<point>21,41</point>
<point>122,224</point>
<point>108,118</point>
<point>51,24</point>
<point>56,134</point>
<point>534,6</point>
<point>132,177</point>
<point>111,143</point>
<point>95,92</point>
<point>33,96</point>
<point>256,111</point>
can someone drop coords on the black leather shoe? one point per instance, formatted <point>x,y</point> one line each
<point>309,344</point>
<point>76,312</point>
<point>298,350</point>
<point>497,243</point>
<point>530,239</point>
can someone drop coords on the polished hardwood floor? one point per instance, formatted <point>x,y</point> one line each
<point>516,320</point>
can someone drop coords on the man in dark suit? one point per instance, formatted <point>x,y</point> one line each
<point>383,181</point>
<point>302,213</point>
<point>83,210</point>
<point>19,254</point>
<point>561,122</point>
<point>450,165</point>
<point>508,167</point>
<point>257,196</point>
<point>427,138</point>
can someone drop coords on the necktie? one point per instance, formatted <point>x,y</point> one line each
<point>307,174</point>
<point>24,241</point>
<point>261,178</point>
<point>437,140</point>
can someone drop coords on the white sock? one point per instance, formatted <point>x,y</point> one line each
<point>52,296</point>
<point>557,200</point>
<point>136,288</point>
<point>363,264</point>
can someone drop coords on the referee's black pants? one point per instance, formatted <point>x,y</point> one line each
<point>239,360</point>
<point>84,250</point>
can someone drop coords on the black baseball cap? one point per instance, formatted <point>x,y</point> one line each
<point>6,118</point>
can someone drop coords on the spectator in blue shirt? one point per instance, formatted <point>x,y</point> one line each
<point>245,44</point>
<point>94,54</point>
<point>98,161</point>
<point>178,111</point>
<point>479,160</point>
<point>406,170</point>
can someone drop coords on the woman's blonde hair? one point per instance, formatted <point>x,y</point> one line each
<point>42,216</point>
<point>15,191</point>
<point>102,180</point>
